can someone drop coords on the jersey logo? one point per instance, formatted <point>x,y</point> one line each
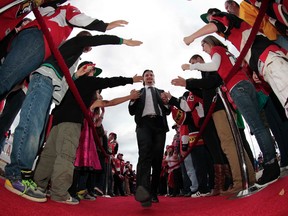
<point>24,8</point>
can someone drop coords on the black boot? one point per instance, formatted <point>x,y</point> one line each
<point>270,174</point>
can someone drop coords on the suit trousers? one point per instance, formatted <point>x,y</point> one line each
<point>151,136</point>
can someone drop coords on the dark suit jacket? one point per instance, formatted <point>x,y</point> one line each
<point>137,108</point>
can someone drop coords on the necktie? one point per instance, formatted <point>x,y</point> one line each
<point>155,102</point>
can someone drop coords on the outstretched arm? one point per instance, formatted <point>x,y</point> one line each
<point>105,103</point>
<point>137,78</point>
<point>207,29</point>
<point>180,81</point>
<point>208,67</point>
<point>117,23</point>
<point>130,42</point>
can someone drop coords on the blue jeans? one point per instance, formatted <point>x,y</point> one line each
<point>12,106</point>
<point>27,134</point>
<point>244,96</point>
<point>191,172</point>
<point>25,55</point>
<point>282,41</point>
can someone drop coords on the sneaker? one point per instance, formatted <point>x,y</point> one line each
<point>80,195</point>
<point>87,196</point>
<point>84,195</point>
<point>196,194</point>
<point>98,191</point>
<point>283,168</point>
<point>93,193</point>
<point>188,194</point>
<point>69,201</point>
<point>270,174</point>
<point>47,192</point>
<point>27,189</point>
<point>75,197</point>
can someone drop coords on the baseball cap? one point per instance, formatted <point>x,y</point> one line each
<point>210,11</point>
<point>97,71</point>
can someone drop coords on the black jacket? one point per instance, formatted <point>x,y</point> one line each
<point>136,108</point>
<point>69,111</point>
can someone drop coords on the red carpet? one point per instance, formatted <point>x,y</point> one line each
<point>271,201</point>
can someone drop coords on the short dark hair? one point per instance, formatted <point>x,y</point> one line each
<point>195,57</point>
<point>231,2</point>
<point>55,4</point>
<point>83,33</point>
<point>114,135</point>
<point>213,10</point>
<point>145,71</point>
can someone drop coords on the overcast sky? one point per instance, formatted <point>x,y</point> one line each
<point>161,25</point>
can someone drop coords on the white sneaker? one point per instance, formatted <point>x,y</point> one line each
<point>196,194</point>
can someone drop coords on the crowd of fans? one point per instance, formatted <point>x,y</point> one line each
<point>73,165</point>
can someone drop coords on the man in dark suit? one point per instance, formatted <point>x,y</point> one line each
<point>150,112</point>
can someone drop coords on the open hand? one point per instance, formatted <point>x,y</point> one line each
<point>180,81</point>
<point>117,23</point>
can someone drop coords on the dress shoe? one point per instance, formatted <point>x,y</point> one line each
<point>146,204</point>
<point>142,195</point>
<point>154,199</point>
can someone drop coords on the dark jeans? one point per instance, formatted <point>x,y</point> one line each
<point>178,181</point>
<point>279,128</point>
<point>202,164</point>
<point>244,96</point>
<point>100,175</point>
<point>212,142</point>
<point>246,146</point>
<point>118,185</point>
<point>13,104</point>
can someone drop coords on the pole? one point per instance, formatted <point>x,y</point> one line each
<point>240,150</point>
<point>107,176</point>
